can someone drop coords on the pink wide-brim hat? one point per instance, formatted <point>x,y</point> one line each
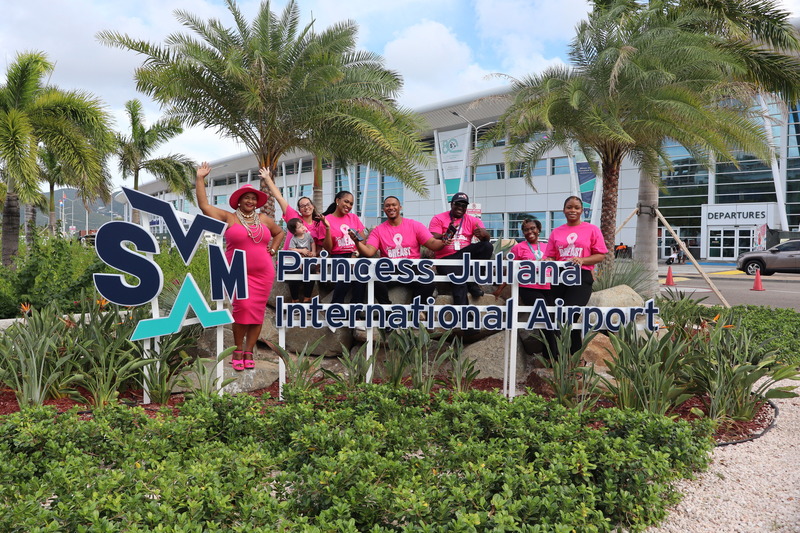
<point>244,189</point>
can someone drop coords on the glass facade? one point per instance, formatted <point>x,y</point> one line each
<point>494,224</point>
<point>490,172</point>
<point>515,223</point>
<point>793,167</point>
<point>518,170</point>
<point>391,187</point>
<point>368,192</point>
<point>559,165</point>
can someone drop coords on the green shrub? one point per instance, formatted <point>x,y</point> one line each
<point>726,366</point>
<point>383,459</point>
<point>574,385</point>
<point>649,371</point>
<point>52,270</point>
<point>31,361</point>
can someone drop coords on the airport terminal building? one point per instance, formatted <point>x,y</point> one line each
<point>719,212</point>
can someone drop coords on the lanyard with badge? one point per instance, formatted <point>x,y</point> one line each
<point>456,233</point>
<point>537,253</point>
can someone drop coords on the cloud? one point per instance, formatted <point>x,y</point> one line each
<point>793,6</point>
<point>528,36</point>
<point>442,49</point>
<point>434,63</point>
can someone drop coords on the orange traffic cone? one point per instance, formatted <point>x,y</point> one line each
<point>757,283</point>
<point>670,282</point>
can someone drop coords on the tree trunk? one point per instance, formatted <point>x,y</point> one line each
<point>52,210</point>
<point>608,217</point>
<point>269,207</point>
<point>135,216</point>
<point>317,190</point>
<point>646,250</point>
<point>10,235</point>
<point>30,223</point>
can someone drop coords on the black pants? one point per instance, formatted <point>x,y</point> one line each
<point>528,297</point>
<point>477,250</point>
<point>298,286</point>
<point>423,290</point>
<point>341,288</point>
<point>575,295</point>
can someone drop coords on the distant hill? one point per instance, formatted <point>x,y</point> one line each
<point>74,212</point>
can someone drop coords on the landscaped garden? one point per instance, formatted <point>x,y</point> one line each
<point>422,448</point>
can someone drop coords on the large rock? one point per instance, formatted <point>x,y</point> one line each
<point>207,342</point>
<point>619,296</point>
<point>489,357</point>
<point>598,352</point>
<point>263,375</point>
<point>298,338</point>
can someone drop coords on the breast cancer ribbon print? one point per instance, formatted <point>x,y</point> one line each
<point>345,241</point>
<point>570,250</point>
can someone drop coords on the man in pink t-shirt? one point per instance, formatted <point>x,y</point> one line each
<point>399,238</point>
<point>457,229</point>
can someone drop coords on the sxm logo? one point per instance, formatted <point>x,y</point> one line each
<point>121,245</point>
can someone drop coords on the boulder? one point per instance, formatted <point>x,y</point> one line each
<point>298,338</point>
<point>207,342</point>
<point>488,354</point>
<point>598,352</point>
<point>619,296</point>
<point>263,375</point>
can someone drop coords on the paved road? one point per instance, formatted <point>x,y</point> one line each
<point>780,290</point>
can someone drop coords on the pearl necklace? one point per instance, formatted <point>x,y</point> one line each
<point>254,228</point>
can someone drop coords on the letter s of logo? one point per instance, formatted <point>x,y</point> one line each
<point>109,247</point>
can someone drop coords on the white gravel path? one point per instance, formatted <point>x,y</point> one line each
<point>752,487</point>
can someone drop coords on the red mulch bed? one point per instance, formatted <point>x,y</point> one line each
<point>732,432</point>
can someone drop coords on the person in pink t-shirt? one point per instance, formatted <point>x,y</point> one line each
<point>457,229</point>
<point>580,243</point>
<point>306,211</point>
<point>399,238</point>
<point>532,250</point>
<point>339,243</point>
<point>310,218</point>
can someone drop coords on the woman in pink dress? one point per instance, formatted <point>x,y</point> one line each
<point>259,237</point>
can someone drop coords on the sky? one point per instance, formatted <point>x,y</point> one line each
<point>443,49</point>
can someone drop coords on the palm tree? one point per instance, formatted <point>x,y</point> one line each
<point>135,151</point>
<point>278,86</point>
<point>73,125</point>
<point>55,173</point>
<point>635,80</point>
<point>761,34</point>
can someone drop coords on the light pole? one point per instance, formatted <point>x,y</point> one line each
<point>475,144</point>
<point>474,127</point>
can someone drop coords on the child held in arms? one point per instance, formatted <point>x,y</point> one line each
<point>302,243</point>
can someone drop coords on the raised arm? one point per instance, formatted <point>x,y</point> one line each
<point>202,200</point>
<point>266,176</point>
